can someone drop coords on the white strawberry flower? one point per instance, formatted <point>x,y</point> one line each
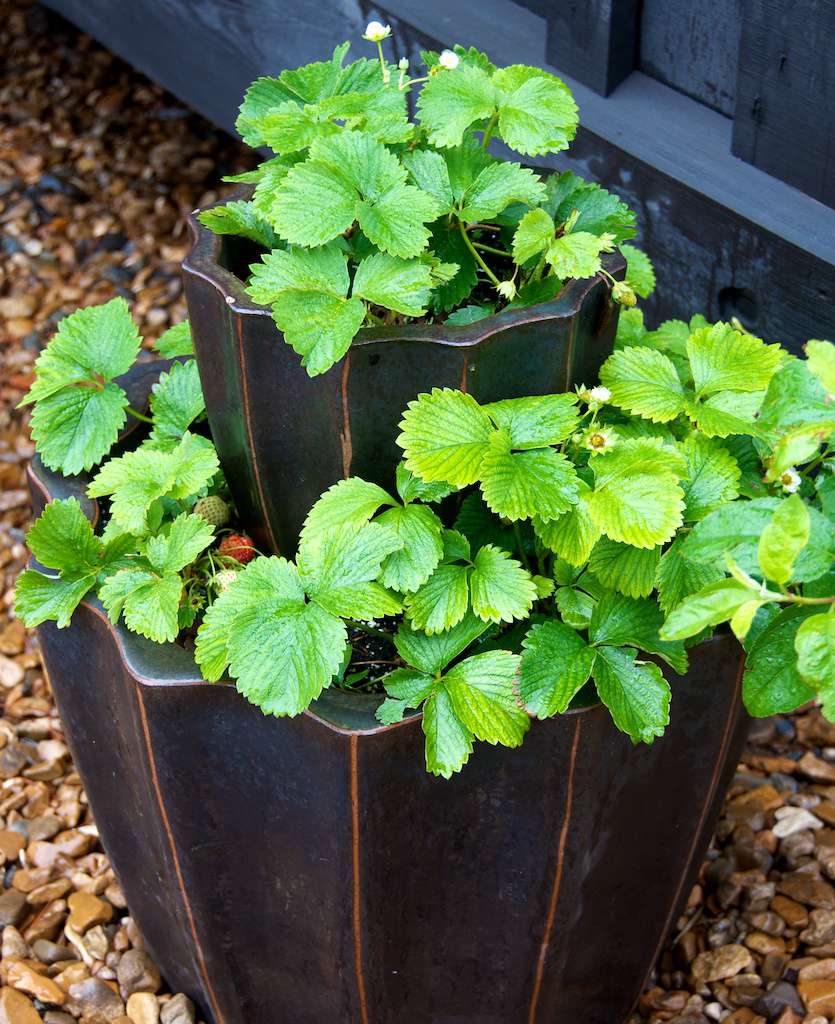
<point>790,480</point>
<point>599,439</point>
<point>376,32</point>
<point>449,59</point>
<point>507,290</point>
<point>600,394</point>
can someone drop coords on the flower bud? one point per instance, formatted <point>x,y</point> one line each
<point>600,395</point>
<point>623,293</point>
<point>449,59</point>
<point>376,32</point>
<point>507,290</point>
<point>403,64</point>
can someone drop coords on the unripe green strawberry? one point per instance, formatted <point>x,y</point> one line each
<point>213,509</point>
<point>237,546</point>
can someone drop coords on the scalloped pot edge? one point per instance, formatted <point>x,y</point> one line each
<point>203,261</point>
<point>136,653</point>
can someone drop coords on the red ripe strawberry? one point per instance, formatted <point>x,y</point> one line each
<point>237,546</point>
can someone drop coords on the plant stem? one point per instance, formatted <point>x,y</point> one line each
<point>520,544</point>
<point>139,415</point>
<point>490,248</point>
<point>795,599</point>
<point>383,65</point>
<point>477,255</point>
<point>488,131</point>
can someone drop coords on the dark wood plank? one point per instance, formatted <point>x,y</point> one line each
<point>693,47</point>
<point>595,42</point>
<point>785,114</point>
<point>726,238</point>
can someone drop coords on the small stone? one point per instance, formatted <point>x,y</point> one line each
<point>762,943</point>
<point>137,973</point>
<point>25,979</point>
<point>820,970</point>
<point>179,1010</point>
<point>794,819</point>
<point>87,910</point>
<point>96,1000</point>
<point>58,1017</point>
<point>11,843</point>
<point>15,1008</point>
<point>818,996</point>
<point>51,952</point>
<point>721,963</point>
<point>10,672</point>
<point>773,1002</point>
<point>143,1008</point>
<point>14,947</point>
<point>788,1016</point>
<point>794,914</point>
<point>816,768</point>
<point>47,826</point>
<point>762,798</point>
<point>814,892</point>
<point>13,908</point>
<point>821,928</point>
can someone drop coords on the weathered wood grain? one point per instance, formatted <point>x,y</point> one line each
<point>595,42</point>
<point>785,113</point>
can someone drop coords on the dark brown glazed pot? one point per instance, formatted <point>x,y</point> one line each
<point>283,437</point>
<point>308,870</point>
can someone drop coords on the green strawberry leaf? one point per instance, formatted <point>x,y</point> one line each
<point>449,742</point>
<point>533,235</point>
<point>717,602</point>
<point>179,543</point>
<point>62,538</point>
<point>575,607</point>
<point>350,502</point>
<point>639,271</point>
<point>577,254</point>
<point>445,436</point>
<point>406,688</point>
<point>713,477</point>
<point>785,535</point>
<point>498,186</point>
<point>520,485</point>
<point>433,653</point>
<point>536,421</point>
<point>402,285</point>
<point>240,217</point>
<point>480,526</point>
<point>725,359</point>
<point>573,535</point>
<point>177,400</point>
<point>537,113</point>
<point>556,664</point>
<point>176,341</point>
<point>441,602</point>
<point>412,488</point>
<point>636,694</point>
<point>501,590</point>
<point>772,684</point>
<point>820,356</point>
<point>618,621</point>
<point>678,577</point>
<point>76,427</point>
<point>481,692</point>
<point>419,531</point>
<point>451,101</point>
<point>39,597</point>
<point>626,569</point>
<point>150,602</point>
<point>814,644</point>
<point>597,211</point>
<point>644,382</point>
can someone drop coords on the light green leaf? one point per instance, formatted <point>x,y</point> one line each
<point>636,694</point>
<point>575,607</point>
<point>712,477</point>
<point>678,577</point>
<point>350,503</point>
<point>537,113</point>
<point>339,569</point>
<point>176,341</point>
<point>177,400</point>
<point>419,531</point>
<point>261,97</point>
<point>412,488</point>
<point>725,359</point>
<point>799,445</point>
<point>629,570</point>
<point>714,419</point>
<point>402,285</point>
<point>496,187</point>
<point>481,691</point>
<point>62,538</point>
<point>138,479</point>
<point>577,254</point>
<point>639,270</point>
<point>433,653</point>
<point>556,664</point>
<point>451,101</point>
<point>74,428</point>
<point>520,485</point>
<point>429,172</point>
<point>441,602</point>
<point>501,590</point>
<point>597,211</point>
<point>573,534</point>
<point>240,218</point>
<point>445,436</point>
<point>179,543</point>
<point>533,235</point>
<point>406,688</point>
<point>449,742</point>
<point>621,621</point>
<point>645,382</point>
<point>715,603</point>
<point>784,537</point>
<point>637,498</point>
<point>814,643</point>
<point>820,355</point>
<point>743,618</point>
<point>39,597</point>
<point>150,603</point>
<point>772,684</point>
<point>536,421</point>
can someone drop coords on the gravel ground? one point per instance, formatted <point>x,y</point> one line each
<point>98,168</point>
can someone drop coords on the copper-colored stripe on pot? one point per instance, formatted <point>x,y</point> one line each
<point>357,891</point>
<point>555,889</point>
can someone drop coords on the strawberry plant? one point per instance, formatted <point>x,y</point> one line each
<point>367,217</point>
